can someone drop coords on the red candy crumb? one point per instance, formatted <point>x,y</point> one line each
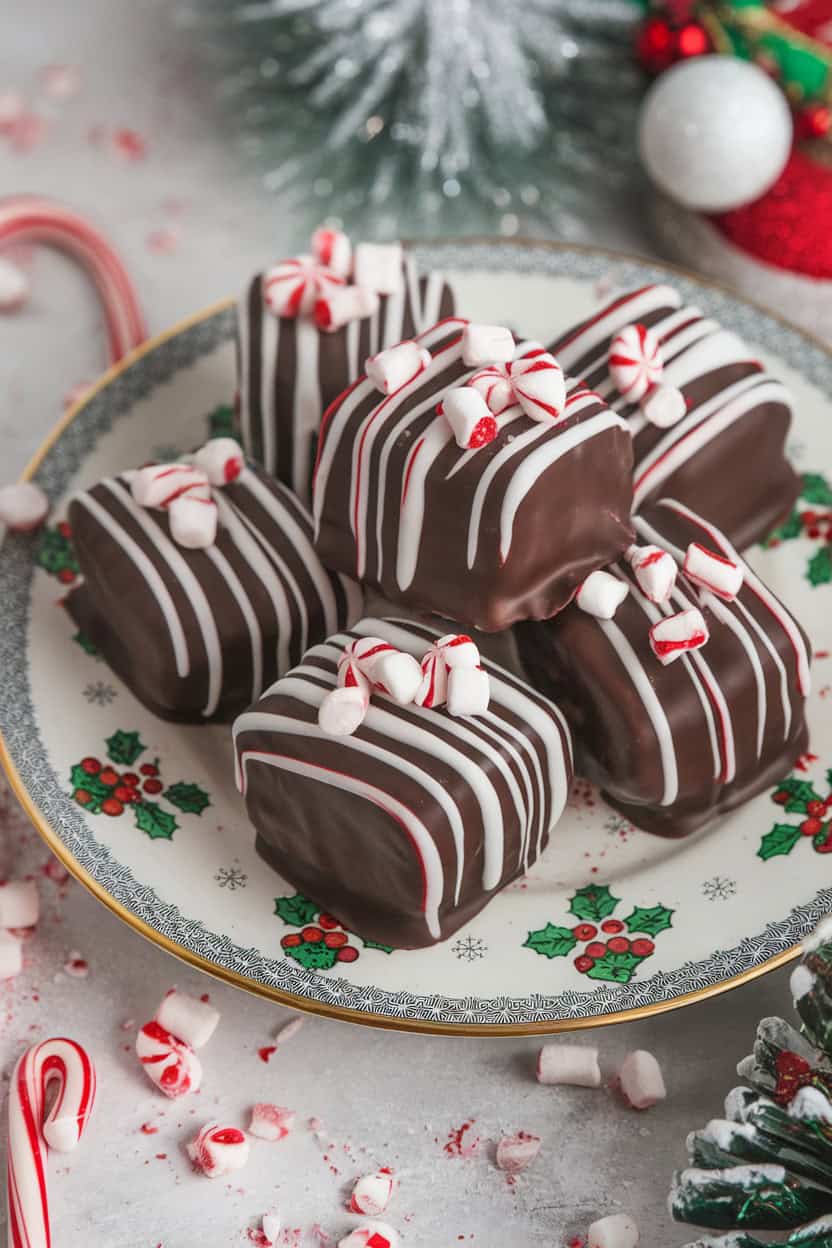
<point>265,1053</point>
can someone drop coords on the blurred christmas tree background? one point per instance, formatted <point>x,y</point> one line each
<point>413,117</point>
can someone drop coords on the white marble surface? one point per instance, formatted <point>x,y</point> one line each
<point>383,1098</point>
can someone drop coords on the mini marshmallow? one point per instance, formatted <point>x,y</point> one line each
<point>342,304</point>
<point>332,249</point>
<point>601,594</point>
<point>619,1230</point>
<point>19,904</point>
<point>193,522</point>
<point>664,406</point>
<point>371,1194</point>
<point>190,1020</point>
<point>370,1235</point>
<point>469,691</point>
<point>270,1226</point>
<point>23,506</point>
<point>342,711</point>
<point>289,1030</point>
<point>271,1122</point>
<point>471,420</point>
<point>516,1152</point>
<point>721,576</point>
<point>158,485</point>
<point>391,671</point>
<point>568,1064</point>
<point>641,1079</point>
<point>217,1151</point>
<point>486,344</point>
<point>378,267</point>
<point>170,1064</point>
<point>11,955</point>
<point>221,459</point>
<point>675,634</point>
<point>14,286</point>
<point>433,691</point>
<point>458,650</point>
<point>395,367</point>
<point>654,570</point>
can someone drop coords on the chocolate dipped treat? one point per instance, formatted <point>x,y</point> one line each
<point>464,475</point>
<point>201,585</point>
<point>721,449</point>
<point>682,676</point>
<point>304,330</point>
<point>401,781</point>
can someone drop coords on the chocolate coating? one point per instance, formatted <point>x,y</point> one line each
<point>674,746</point>
<point>407,828</point>
<point>198,634</point>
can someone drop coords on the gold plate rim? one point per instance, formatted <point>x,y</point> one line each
<point>278,995</point>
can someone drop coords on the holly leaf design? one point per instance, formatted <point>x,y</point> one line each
<point>819,571</point>
<point>800,792</point>
<point>82,782</point>
<point>816,489</point>
<point>314,956</point>
<point>124,747</point>
<point>89,647</point>
<point>650,920</point>
<point>780,841</point>
<point>593,903</point>
<point>159,824</point>
<point>791,527</point>
<point>615,968</point>
<point>374,944</point>
<point>189,798</point>
<point>296,911</point>
<point>54,553</point>
<point>221,422</point>
<point>551,941</point>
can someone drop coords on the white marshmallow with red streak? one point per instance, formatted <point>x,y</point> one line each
<point>663,406</point>
<point>168,1062</point>
<point>270,1225</point>
<point>14,286</point>
<point>333,250</point>
<point>11,955</point>
<point>472,422</point>
<point>372,1193</point>
<point>641,1079</point>
<point>378,267</point>
<point>389,670</point>
<point>343,709</point>
<point>675,635</point>
<point>458,650</point>
<point>186,1017</point>
<point>618,1230</point>
<point>655,572</point>
<point>486,344</point>
<point>19,903</point>
<point>343,304</point>
<point>572,1064</point>
<point>159,485</point>
<point>271,1122</point>
<point>370,1235</point>
<point>469,691</point>
<point>539,386</point>
<point>221,459</point>
<point>23,506</point>
<point>721,576</point>
<point>601,594</point>
<point>516,1152</point>
<point>635,362</point>
<point>396,366</point>
<point>433,691</point>
<point>217,1151</point>
<point>193,522</point>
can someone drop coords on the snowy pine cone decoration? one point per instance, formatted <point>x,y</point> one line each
<point>767,1165</point>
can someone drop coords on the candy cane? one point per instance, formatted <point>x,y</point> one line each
<point>31,1134</point>
<point>35,219</point>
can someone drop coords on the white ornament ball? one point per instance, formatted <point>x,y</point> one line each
<point>715,133</point>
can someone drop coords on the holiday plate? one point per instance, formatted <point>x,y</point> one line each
<point>686,918</point>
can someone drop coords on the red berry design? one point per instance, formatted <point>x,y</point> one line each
<point>584,963</point>
<point>108,776</point>
<point>149,769</point>
<point>66,576</point>
<point>781,797</point>
<point>328,922</point>
<point>82,797</point>
<point>91,766</point>
<point>810,827</point>
<point>291,941</point>
<point>123,793</point>
<point>618,944</point>
<point>584,931</point>
<point>612,927</point>
<point>152,786</point>
<point>815,807</point>
<point>130,777</point>
<point>335,940</point>
<point>311,935</point>
<point>111,806</point>
<point>64,529</point>
<point>642,947</point>
<point>595,950</point>
<point>348,954</point>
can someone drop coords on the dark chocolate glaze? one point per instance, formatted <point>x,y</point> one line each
<point>572,510</point>
<point>580,661</point>
<point>353,852</point>
<point>228,660</point>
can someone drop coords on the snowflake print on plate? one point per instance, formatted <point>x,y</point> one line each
<point>231,878</point>
<point>469,948</point>
<point>99,693</point>
<point>720,888</point>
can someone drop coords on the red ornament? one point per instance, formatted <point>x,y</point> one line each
<point>814,121</point>
<point>655,48</point>
<point>692,40</point>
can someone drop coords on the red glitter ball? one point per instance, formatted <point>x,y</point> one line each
<point>814,121</point>
<point>789,226</point>
<point>692,40</point>
<point>655,45</point>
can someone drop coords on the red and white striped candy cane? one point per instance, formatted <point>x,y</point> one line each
<point>31,1134</point>
<point>35,219</point>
